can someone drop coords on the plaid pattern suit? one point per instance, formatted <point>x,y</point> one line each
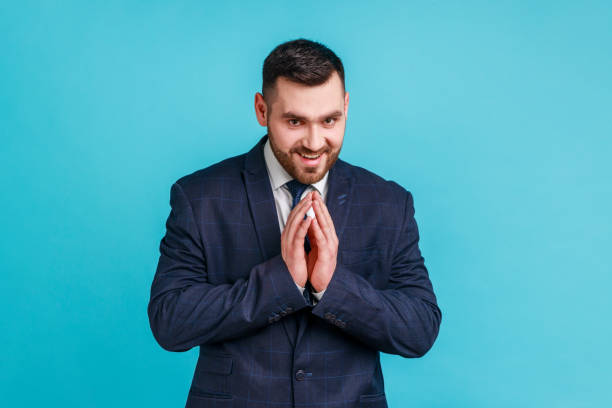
<point>221,284</point>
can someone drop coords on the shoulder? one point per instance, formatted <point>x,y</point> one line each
<point>214,178</point>
<point>368,183</point>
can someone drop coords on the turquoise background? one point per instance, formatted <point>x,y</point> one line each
<point>495,115</point>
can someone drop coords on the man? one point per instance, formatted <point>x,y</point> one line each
<point>291,309</point>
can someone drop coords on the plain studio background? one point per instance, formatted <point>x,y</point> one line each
<point>497,117</point>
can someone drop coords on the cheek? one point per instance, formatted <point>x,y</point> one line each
<point>285,138</point>
<point>335,140</point>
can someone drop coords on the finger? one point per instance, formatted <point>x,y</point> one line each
<point>324,219</point>
<point>328,216</point>
<point>328,229</point>
<point>316,204</point>
<point>300,234</point>
<point>318,234</point>
<point>294,211</point>
<point>301,208</point>
<point>297,244</point>
<point>296,216</point>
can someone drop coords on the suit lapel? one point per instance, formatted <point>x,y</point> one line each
<point>265,219</point>
<point>261,201</point>
<point>263,211</point>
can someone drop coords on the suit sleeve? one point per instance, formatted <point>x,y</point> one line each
<point>403,318</point>
<point>185,310</point>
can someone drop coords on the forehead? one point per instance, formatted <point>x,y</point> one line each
<point>308,101</point>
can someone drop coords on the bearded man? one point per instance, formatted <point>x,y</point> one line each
<point>288,267</point>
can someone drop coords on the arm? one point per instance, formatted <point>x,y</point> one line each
<point>402,319</point>
<point>185,310</point>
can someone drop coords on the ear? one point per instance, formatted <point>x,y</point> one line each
<point>346,103</point>
<point>261,109</point>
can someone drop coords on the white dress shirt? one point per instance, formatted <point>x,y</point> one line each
<point>282,197</point>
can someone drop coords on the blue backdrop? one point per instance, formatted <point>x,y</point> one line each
<point>497,117</point>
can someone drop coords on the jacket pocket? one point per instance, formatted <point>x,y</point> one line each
<point>373,400</point>
<point>212,377</point>
<point>202,394</point>
<point>206,400</point>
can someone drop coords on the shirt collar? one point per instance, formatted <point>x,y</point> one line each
<point>278,174</point>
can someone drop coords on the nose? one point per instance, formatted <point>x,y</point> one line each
<point>314,140</point>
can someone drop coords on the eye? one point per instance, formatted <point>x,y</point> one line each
<point>294,122</point>
<point>330,121</point>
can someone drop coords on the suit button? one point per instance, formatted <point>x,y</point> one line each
<point>271,319</point>
<point>300,375</point>
<point>283,313</point>
<point>289,309</point>
<point>330,316</point>
<point>276,317</point>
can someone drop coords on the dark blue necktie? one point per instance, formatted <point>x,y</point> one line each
<point>297,189</point>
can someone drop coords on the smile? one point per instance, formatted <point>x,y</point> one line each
<point>311,160</point>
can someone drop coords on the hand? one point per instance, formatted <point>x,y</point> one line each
<point>292,240</point>
<point>323,256</point>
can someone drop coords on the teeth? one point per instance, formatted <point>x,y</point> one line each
<point>309,157</point>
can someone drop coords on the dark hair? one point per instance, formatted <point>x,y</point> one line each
<point>302,61</point>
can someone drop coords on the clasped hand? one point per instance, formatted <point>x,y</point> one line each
<point>319,264</point>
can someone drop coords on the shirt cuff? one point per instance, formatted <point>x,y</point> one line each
<point>300,288</point>
<point>318,295</point>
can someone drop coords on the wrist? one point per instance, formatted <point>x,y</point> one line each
<point>317,286</point>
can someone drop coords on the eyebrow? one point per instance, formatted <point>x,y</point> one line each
<point>300,117</point>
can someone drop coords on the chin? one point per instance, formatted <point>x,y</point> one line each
<point>309,177</point>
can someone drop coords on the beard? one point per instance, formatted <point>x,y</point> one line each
<point>307,175</point>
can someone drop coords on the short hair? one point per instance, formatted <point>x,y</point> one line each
<point>302,61</point>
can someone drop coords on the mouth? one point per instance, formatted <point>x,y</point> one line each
<point>310,160</point>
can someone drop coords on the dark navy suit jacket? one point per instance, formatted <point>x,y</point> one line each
<point>221,284</point>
